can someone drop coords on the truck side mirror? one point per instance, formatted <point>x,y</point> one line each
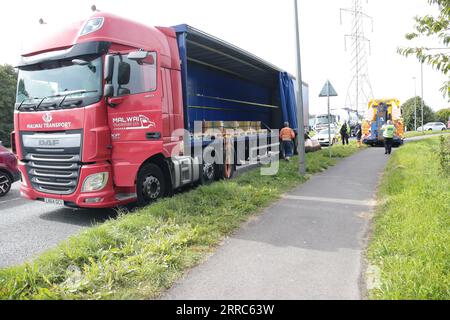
<point>108,91</point>
<point>109,68</point>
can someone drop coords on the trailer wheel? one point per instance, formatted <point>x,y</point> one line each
<point>228,171</point>
<point>225,172</point>
<point>150,184</point>
<point>229,160</point>
<point>5,183</point>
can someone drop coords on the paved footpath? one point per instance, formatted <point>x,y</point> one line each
<point>309,245</point>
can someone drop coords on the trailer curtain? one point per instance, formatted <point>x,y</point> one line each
<point>288,100</point>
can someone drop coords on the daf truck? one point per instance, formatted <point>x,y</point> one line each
<point>110,111</point>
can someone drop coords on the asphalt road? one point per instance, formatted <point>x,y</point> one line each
<point>28,228</point>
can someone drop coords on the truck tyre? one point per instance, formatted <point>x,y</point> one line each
<point>5,183</point>
<point>225,172</point>
<point>208,172</point>
<point>228,171</point>
<point>150,184</point>
<point>228,167</point>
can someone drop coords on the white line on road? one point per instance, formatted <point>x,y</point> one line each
<point>368,203</point>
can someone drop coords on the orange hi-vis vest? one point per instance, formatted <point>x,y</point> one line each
<point>287,134</point>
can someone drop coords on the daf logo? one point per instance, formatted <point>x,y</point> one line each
<point>48,143</point>
<point>47,117</point>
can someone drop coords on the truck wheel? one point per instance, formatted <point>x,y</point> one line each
<point>150,184</point>
<point>208,173</point>
<point>5,183</point>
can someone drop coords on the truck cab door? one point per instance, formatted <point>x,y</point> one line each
<point>134,115</point>
<point>167,105</point>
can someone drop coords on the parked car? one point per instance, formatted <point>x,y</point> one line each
<point>311,144</point>
<point>433,126</point>
<point>323,137</point>
<point>9,173</point>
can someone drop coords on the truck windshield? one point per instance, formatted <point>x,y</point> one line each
<point>60,84</point>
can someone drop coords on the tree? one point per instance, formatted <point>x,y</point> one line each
<point>443,115</point>
<point>8,80</point>
<point>433,27</point>
<point>408,113</point>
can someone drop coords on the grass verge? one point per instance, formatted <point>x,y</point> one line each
<point>139,255</point>
<point>411,240</point>
<point>412,134</point>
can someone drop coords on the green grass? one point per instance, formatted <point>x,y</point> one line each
<point>139,255</point>
<point>412,134</point>
<point>411,241</point>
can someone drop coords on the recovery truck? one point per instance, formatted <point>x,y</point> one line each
<point>110,111</point>
<point>378,114</point>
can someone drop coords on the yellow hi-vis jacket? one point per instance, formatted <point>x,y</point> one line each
<point>389,131</point>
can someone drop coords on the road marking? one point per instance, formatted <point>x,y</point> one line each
<point>366,203</point>
<point>10,200</point>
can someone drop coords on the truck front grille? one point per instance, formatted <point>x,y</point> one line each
<point>52,173</point>
<point>52,160</point>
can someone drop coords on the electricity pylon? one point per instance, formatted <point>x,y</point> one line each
<point>359,91</point>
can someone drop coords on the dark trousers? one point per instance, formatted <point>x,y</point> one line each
<point>388,145</point>
<point>288,149</point>
<point>344,139</point>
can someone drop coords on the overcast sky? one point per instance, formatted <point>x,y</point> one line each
<point>265,28</point>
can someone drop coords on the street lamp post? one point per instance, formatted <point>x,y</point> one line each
<point>300,116</point>
<point>421,76</point>
<point>415,104</point>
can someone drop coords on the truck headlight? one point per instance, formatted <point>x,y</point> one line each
<point>95,182</point>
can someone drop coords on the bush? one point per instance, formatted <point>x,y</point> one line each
<point>8,79</point>
<point>444,155</point>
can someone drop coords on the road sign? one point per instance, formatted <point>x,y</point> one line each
<point>328,90</point>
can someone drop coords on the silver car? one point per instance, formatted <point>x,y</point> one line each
<point>323,137</point>
<point>433,126</point>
